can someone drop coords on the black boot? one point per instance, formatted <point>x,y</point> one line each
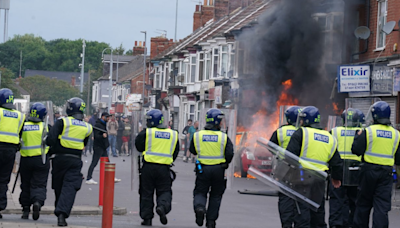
<point>36,210</point>
<point>161,212</point>
<point>61,220</point>
<point>200,216</point>
<point>210,224</point>
<point>25,212</point>
<point>146,222</point>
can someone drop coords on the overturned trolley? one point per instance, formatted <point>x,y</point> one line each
<point>292,176</point>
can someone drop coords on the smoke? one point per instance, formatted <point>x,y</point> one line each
<point>287,43</point>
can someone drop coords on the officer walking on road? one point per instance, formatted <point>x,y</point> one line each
<point>281,137</point>
<point>342,200</point>
<point>33,172</point>
<point>11,123</point>
<point>68,137</point>
<point>214,152</point>
<point>160,149</point>
<point>378,145</point>
<point>318,147</point>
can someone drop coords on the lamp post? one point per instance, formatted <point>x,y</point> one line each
<point>83,64</point>
<point>111,75</point>
<point>144,62</point>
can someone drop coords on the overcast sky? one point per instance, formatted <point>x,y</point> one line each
<point>109,21</point>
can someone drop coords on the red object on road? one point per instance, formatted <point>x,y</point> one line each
<point>103,161</point>
<point>109,176</point>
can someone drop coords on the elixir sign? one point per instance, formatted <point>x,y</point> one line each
<point>354,78</point>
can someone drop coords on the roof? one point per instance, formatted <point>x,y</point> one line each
<point>127,71</point>
<point>238,19</point>
<point>120,58</point>
<point>59,75</point>
<point>21,90</point>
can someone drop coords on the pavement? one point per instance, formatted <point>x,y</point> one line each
<point>237,210</point>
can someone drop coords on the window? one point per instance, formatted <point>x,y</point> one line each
<point>191,112</point>
<point>231,62</point>
<point>176,71</point>
<point>323,23</point>
<point>215,63</point>
<point>157,78</point>
<point>199,108</point>
<point>382,13</point>
<point>337,22</point>
<point>208,65</point>
<point>201,67</point>
<point>167,76</point>
<point>192,69</point>
<point>224,61</point>
<point>161,76</point>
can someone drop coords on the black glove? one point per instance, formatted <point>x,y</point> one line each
<point>225,165</point>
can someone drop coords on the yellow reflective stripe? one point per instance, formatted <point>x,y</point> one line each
<point>314,161</point>
<point>333,148</point>
<point>150,138</point>
<point>173,142</point>
<point>305,142</point>
<point>335,133</point>
<point>280,136</point>
<point>370,139</point>
<point>197,142</point>
<point>396,141</point>
<point>8,133</point>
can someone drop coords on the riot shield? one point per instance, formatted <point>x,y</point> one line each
<point>290,175</point>
<point>137,121</point>
<point>229,126</point>
<point>44,136</point>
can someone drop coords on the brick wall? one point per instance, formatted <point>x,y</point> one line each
<point>138,49</point>
<point>202,14</point>
<point>137,83</point>
<point>393,15</point>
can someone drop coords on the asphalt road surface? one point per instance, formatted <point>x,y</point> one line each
<point>237,211</point>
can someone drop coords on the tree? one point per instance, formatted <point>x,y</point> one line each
<point>7,81</point>
<point>129,52</point>
<point>42,88</point>
<point>119,50</point>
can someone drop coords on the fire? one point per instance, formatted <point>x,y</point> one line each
<point>336,109</point>
<point>238,175</point>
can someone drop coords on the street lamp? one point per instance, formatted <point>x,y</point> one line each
<point>111,75</point>
<point>144,61</point>
<point>83,63</point>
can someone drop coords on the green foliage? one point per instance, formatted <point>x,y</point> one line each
<point>119,50</point>
<point>7,81</point>
<point>42,88</point>
<point>129,52</point>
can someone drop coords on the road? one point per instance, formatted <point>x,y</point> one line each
<point>237,211</point>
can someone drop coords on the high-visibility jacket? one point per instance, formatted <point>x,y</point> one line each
<point>32,139</point>
<point>284,134</point>
<point>210,146</point>
<point>345,138</point>
<point>160,145</point>
<point>11,122</point>
<point>318,147</point>
<point>382,144</point>
<point>74,133</point>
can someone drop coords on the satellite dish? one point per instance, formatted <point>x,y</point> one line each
<point>362,32</point>
<point>388,27</point>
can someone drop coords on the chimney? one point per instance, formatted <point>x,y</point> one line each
<point>159,45</point>
<point>138,50</point>
<point>203,14</point>
<point>73,81</point>
<point>225,7</point>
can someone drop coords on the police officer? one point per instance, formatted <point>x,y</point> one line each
<point>11,123</point>
<point>214,152</point>
<point>33,172</point>
<point>378,145</point>
<point>318,147</point>
<point>281,137</point>
<point>342,200</point>
<point>68,137</point>
<point>160,148</point>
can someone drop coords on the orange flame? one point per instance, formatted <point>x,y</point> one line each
<point>336,108</point>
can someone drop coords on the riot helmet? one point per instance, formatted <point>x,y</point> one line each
<point>291,114</point>
<point>6,98</point>
<point>37,112</point>
<point>76,107</point>
<point>310,117</point>
<point>381,113</point>
<point>214,118</point>
<point>351,117</point>
<point>154,118</point>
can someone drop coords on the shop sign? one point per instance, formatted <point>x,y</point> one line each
<point>354,78</point>
<point>382,80</point>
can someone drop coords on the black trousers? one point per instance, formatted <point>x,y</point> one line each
<point>342,205</point>
<point>66,182</point>
<point>287,209</point>
<point>212,181</point>
<point>98,152</point>
<point>374,190</point>
<point>154,177</point>
<point>7,157</point>
<point>119,142</point>
<point>34,176</point>
<point>309,218</point>
<point>89,146</point>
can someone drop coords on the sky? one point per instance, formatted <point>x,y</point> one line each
<point>110,21</point>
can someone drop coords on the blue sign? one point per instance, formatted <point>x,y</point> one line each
<point>78,123</point>
<point>290,132</point>
<point>10,114</point>
<point>210,138</point>
<point>321,138</point>
<point>384,134</point>
<point>31,127</point>
<point>354,78</point>
<point>163,135</point>
<point>351,133</point>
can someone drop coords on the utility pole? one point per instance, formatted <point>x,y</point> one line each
<point>111,84</point>
<point>144,62</point>
<point>88,94</point>
<point>20,63</point>
<point>0,79</point>
<point>176,20</point>
<point>83,64</point>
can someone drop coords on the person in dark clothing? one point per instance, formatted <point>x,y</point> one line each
<point>100,145</point>
<point>379,147</point>
<point>68,137</point>
<point>11,124</point>
<point>320,150</point>
<point>34,173</point>
<point>281,137</point>
<point>160,149</point>
<point>92,121</point>
<point>121,128</point>
<point>210,167</point>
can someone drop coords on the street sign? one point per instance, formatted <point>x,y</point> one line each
<point>133,102</point>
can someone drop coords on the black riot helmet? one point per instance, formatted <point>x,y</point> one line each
<point>76,107</point>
